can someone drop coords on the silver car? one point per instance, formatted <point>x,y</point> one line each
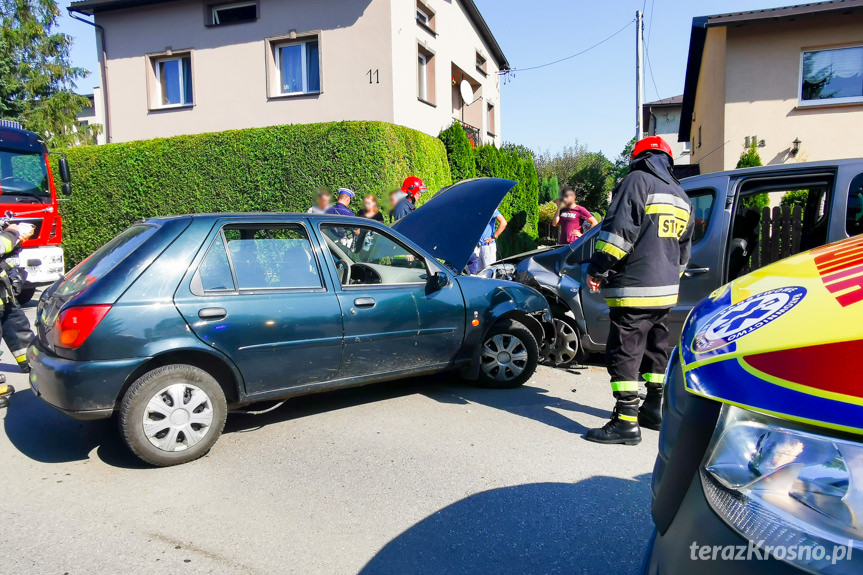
<point>744,219</point>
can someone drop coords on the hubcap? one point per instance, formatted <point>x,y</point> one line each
<point>504,357</point>
<point>565,347</point>
<point>178,417</point>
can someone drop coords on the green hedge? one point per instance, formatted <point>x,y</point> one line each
<point>521,205</point>
<point>275,169</point>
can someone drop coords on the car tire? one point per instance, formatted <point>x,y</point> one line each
<point>566,349</point>
<point>190,402</point>
<point>508,356</point>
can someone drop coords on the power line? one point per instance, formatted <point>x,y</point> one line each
<point>601,42</point>
<point>647,49</point>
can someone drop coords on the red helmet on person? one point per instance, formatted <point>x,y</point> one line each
<point>413,187</point>
<point>651,143</point>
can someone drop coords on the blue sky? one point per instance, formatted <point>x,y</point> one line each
<point>590,98</point>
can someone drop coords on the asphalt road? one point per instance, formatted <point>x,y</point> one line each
<point>416,476</point>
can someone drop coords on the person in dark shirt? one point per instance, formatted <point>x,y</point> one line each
<point>405,199</point>
<point>370,209</point>
<point>342,207</point>
<point>570,217</point>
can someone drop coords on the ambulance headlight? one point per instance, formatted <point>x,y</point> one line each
<point>788,487</point>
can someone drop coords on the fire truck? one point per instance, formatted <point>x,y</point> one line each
<point>28,194</point>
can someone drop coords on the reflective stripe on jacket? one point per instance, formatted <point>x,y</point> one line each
<point>644,243</point>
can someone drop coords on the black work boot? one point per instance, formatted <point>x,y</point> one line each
<point>623,427</point>
<point>650,412</point>
<point>6,392</point>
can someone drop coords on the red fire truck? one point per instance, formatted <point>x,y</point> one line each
<point>28,194</point>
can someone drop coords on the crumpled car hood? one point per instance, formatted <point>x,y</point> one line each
<point>785,339</point>
<point>449,225</point>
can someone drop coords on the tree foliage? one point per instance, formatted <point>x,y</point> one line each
<point>592,181</point>
<point>458,152</point>
<point>36,75</point>
<point>621,163</point>
<point>750,157</point>
<point>549,189</point>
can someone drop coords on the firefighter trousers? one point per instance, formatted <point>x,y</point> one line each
<point>16,333</point>
<point>638,345</point>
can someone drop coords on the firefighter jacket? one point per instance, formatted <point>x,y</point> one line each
<point>643,246</point>
<point>9,245</point>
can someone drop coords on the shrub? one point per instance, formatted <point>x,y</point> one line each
<point>274,169</point>
<point>549,189</point>
<point>459,154</point>
<point>795,198</point>
<point>521,204</point>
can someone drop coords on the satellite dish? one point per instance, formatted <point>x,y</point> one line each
<point>466,92</point>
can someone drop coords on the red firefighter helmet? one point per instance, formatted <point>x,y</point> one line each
<point>413,187</point>
<point>652,143</point>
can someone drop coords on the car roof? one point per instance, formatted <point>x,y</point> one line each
<point>268,215</point>
<point>852,162</point>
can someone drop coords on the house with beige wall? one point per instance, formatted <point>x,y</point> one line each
<point>175,67</point>
<point>790,79</point>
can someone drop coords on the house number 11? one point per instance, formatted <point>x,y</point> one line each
<point>374,76</point>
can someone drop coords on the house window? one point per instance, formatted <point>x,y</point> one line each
<point>489,120</point>
<point>298,66</point>
<point>425,16</point>
<point>832,76</point>
<point>425,76</point>
<point>173,81</point>
<point>481,64</point>
<point>234,13</point>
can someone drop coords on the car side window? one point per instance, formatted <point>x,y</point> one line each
<point>368,256</point>
<point>702,208</point>
<point>854,211</point>
<point>271,256</point>
<point>215,271</point>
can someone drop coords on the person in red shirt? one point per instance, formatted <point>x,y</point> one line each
<point>570,217</point>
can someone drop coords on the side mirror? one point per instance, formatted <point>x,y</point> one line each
<point>438,281</point>
<point>65,175</point>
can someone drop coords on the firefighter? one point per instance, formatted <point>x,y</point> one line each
<point>405,199</point>
<point>15,326</point>
<point>637,263</point>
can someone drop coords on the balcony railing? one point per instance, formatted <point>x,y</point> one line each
<point>474,134</point>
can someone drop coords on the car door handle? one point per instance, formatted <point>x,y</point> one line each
<point>213,313</point>
<point>365,302</point>
<point>695,271</point>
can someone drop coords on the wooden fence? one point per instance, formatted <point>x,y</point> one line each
<point>779,235</point>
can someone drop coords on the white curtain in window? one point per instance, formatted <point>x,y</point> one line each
<point>833,73</point>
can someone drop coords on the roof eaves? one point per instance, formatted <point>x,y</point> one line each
<point>693,71</point>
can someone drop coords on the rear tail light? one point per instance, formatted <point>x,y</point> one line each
<point>76,324</point>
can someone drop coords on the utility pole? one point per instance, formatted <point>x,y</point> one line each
<point>639,75</point>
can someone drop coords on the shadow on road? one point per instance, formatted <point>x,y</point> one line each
<point>525,529</point>
<point>42,433</point>
<point>46,435</point>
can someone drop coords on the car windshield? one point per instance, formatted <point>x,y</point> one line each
<point>24,175</point>
<point>104,260</point>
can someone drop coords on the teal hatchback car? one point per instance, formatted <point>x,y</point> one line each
<point>177,320</point>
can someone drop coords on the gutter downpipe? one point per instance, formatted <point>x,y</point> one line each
<point>103,66</point>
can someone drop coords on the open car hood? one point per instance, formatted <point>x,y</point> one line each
<point>449,225</point>
<point>785,340</point>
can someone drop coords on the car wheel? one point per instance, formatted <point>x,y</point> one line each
<point>173,415</point>
<point>509,355</point>
<point>566,348</point>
